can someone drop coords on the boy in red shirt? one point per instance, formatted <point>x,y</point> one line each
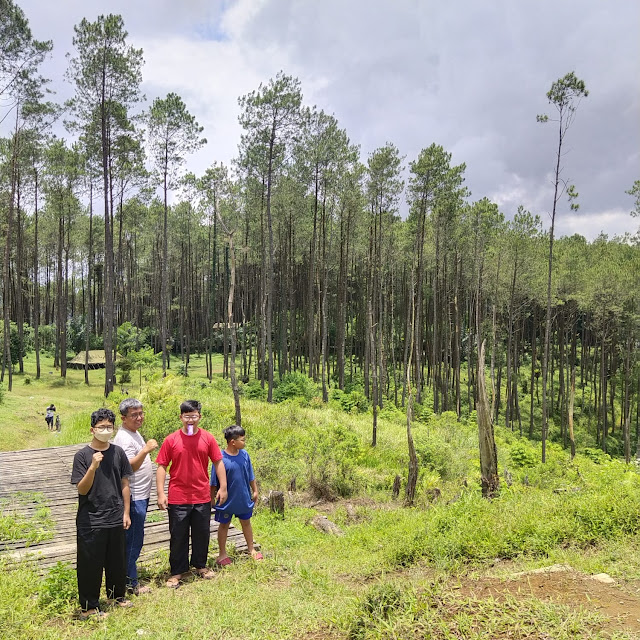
<point>188,451</point>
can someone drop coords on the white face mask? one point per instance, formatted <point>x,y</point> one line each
<point>103,436</point>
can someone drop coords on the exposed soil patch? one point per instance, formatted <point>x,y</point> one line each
<point>621,603</point>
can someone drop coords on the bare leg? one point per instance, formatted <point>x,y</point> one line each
<point>247,531</point>
<point>223,530</point>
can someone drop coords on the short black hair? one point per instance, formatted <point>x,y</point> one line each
<point>102,414</point>
<point>190,405</point>
<point>233,432</point>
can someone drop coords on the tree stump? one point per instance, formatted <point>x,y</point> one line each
<point>276,502</point>
<point>292,484</point>
<point>395,492</point>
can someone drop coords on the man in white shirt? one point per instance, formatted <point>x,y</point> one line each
<point>132,414</point>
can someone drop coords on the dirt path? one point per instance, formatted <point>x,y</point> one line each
<point>621,603</point>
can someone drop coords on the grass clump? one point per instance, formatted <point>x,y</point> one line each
<point>375,608</point>
<point>33,528</point>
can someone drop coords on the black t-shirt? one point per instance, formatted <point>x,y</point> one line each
<point>103,506</point>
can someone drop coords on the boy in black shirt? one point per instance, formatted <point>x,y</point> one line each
<point>101,472</point>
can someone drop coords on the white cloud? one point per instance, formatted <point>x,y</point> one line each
<point>590,225</point>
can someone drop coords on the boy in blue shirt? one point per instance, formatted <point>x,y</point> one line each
<point>242,493</point>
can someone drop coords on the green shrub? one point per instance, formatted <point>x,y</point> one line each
<point>522,455</point>
<point>254,390</point>
<point>354,383</point>
<point>596,455</point>
<point>352,402</point>
<point>332,457</point>
<point>59,588</point>
<point>295,385</point>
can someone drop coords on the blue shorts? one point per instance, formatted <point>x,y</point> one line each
<point>225,516</point>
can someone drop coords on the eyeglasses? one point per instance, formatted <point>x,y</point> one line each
<point>184,416</point>
<point>139,414</point>
<point>103,429</point>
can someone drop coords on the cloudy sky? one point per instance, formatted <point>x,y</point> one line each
<point>468,75</point>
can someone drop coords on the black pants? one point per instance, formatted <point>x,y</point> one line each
<point>182,519</point>
<point>100,549</point>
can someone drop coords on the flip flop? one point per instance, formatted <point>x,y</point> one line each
<point>258,556</point>
<point>205,573</point>
<point>173,582</point>
<point>224,562</point>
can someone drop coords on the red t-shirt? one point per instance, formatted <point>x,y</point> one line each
<point>189,458</point>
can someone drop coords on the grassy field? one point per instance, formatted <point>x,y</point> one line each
<point>22,423</point>
<point>396,572</point>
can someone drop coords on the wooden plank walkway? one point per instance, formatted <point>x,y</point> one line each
<point>48,472</point>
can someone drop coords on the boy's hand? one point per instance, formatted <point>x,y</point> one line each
<point>151,445</point>
<point>126,521</point>
<point>254,496</point>
<point>162,502</point>
<point>96,460</point>
<point>221,496</point>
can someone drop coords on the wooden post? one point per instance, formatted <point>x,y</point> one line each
<point>276,502</point>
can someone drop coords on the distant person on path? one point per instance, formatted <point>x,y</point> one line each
<point>188,451</point>
<point>242,491</point>
<point>101,472</point>
<point>51,409</point>
<point>58,427</point>
<point>133,444</point>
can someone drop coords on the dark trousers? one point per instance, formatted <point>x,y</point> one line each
<point>182,519</point>
<point>98,550</point>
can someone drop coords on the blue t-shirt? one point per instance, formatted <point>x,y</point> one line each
<point>239,475</point>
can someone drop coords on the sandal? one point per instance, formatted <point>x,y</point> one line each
<point>205,573</point>
<point>123,603</point>
<point>173,582</point>
<point>141,589</point>
<point>257,556</point>
<point>92,614</point>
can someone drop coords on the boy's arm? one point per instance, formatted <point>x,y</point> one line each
<point>221,495</point>
<point>161,476</point>
<point>84,486</point>
<point>126,497</point>
<point>254,490</point>
<point>137,460</point>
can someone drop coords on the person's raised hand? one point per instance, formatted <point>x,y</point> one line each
<point>96,460</point>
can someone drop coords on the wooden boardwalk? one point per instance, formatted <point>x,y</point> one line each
<point>48,472</point>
